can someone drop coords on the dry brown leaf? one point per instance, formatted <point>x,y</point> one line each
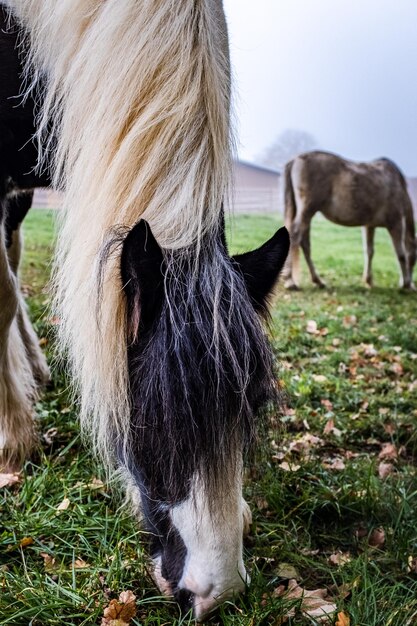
<point>120,612</point>
<point>327,404</point>
<point>315,603</point>
<point>384,470</point>
<point>329,427</point>
<point>412,564</point>
<point>339,558</point>
<point>6,480</point>
<point>63,505</point>
<point>377,538</point>
<point>49,562</point>
<point>26,541</point>
<point>349,321</point>
<point>343,619</point>
<point>311,327</point>
<point>80,564</point>
<point>96,483</point>
<point>289,467</point>
<point>319,378</point>
<point>389,452</point>
<point>50,435</point>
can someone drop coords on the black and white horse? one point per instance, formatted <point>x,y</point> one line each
<point>161,326</point>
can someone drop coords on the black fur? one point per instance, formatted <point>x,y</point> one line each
<point>193,403</point>
<point>259,267</point>
<point>18,151</point>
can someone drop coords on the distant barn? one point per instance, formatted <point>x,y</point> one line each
<point>256,189</point>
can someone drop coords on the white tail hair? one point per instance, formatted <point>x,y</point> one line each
<point>137,97</point>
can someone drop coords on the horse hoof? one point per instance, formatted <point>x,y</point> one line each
<point>291,286</point>
<point>410,287</point>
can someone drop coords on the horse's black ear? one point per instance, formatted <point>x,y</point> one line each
<point>142,275</point>
<point>261,267</point>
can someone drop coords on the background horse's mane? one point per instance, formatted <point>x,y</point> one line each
<point>136,118</point>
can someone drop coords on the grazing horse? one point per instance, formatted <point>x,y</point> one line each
<point>162,329</point>
<point>350,194</point>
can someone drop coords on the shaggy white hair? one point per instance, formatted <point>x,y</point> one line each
<point>137,97</point>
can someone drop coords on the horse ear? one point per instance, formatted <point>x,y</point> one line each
<point>261,267</point>
<point>142,275</point>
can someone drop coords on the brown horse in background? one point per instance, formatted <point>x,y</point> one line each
<point>350,194</point>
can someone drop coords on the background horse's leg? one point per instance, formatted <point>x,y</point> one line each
<point>18,206</point>
<point>291,271</point>
<point>17,385</point>
<point>304,238</point>
<point>368,233</point>
<point>398,239</point>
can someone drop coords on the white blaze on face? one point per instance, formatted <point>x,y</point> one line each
<point>213,569</point>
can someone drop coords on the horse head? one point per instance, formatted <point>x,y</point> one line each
<point>200,369</point>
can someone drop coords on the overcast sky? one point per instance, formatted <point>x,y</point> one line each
<point>343,70</point>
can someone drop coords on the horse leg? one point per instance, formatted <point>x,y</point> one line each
<point>18,206</point>
<point>306,248</point>
<point>368,233</point>
<point>397,235</point>
<point>290,273</point>
<point>17,385</point>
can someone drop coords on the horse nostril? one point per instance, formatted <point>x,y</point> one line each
<point>185,600</point>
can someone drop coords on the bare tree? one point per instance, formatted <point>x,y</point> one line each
<point>286,146</point>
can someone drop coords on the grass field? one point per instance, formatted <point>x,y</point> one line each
<point>334,496</point>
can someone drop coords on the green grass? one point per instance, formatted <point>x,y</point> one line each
<point>358,371</point>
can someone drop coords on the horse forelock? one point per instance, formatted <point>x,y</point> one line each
<point>198,376</point>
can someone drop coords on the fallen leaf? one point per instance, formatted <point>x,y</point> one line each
<point>289,467</point>
<point>6,480</point>
<point>389,452</point>
<point>63,505</point>
<point>319,378</point>
<point>315,603</point>
<point>412,564</point>
<point>120,612</point>
<point>50,435</point>
<point>327,404</point>
<point>49,562</point>
<point>384,470</point>
<point>329,427</point>
<point>96,483</point>
<point>343,619</point>
<point>335,464</point>
<point>397,369</point>
<point>311,327</point>
<point>339,558</point>
<point>26,541</point>
<point>349,321</point>
<point>377,538</point>
<point>80,564</point>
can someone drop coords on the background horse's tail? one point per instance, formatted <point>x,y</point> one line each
<point>409,215</point>
<point>292,266</point>
<point>136,119</point>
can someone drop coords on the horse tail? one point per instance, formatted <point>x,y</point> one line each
<point>409,215</point>
<point>137,106</point>
<point>292,271</point>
